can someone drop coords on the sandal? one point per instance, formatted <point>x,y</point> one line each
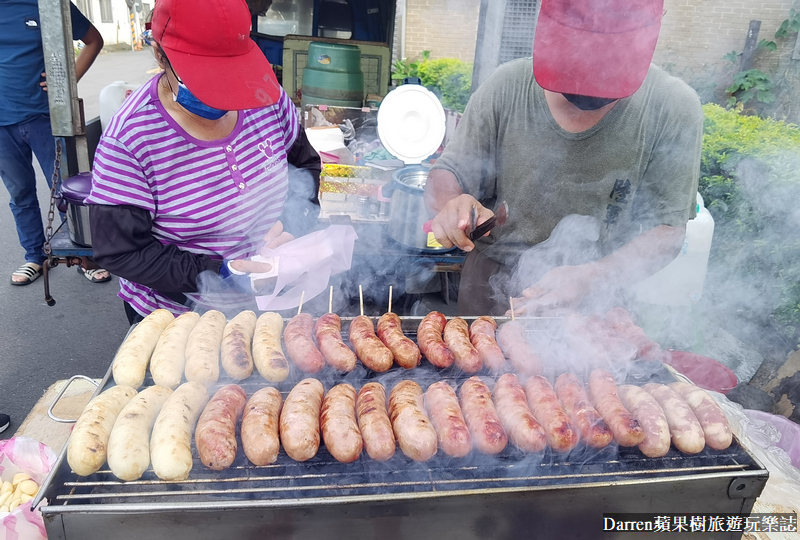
<point>91,275</point>
<point>30,271</point>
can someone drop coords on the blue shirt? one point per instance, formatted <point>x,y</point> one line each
<point>22,59</point>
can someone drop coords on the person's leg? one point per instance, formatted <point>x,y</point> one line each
<point>19,178</point>
<point>475,294</point>
<point>44,146</point>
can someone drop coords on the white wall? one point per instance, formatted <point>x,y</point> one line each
<point>119,30</point>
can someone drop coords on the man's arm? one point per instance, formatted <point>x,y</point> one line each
<point>566,286</point>
<point>93,44</point>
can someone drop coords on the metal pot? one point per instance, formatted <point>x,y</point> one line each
<point>74,190</point>
<point>408,213</point>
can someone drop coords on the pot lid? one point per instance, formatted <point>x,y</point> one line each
<point>411,123</point>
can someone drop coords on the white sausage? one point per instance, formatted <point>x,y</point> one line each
<point>129,444</point>
<point>171,442</point>
<point>130,363</point>
<point>88,443</point>
<point>169,358</point>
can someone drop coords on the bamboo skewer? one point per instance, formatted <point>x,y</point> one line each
<point>300,307</point>
<point>361,299</point>
<point>511,302</point>
<point>390,298</point>
<point>330,301</point>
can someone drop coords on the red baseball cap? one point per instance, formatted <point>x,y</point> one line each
<point>598,48</point>
<point>208,44</point>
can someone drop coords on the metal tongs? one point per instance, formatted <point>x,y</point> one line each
<point>499,219</point>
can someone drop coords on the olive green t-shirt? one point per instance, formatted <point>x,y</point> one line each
<point>636,169</point>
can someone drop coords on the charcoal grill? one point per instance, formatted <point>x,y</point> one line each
<point>510,496</point>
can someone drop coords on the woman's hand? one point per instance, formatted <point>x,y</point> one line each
<point>560,287</point>
<point>250,267</point>
<point>276,236</point>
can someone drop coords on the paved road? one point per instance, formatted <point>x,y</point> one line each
<point>39,344</point>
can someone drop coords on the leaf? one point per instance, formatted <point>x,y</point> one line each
<point>731,57</point>
<point>769,45</point>
<point>765,96</point>
<point>731,101</point>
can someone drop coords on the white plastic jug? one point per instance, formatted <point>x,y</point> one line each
<point>680,283</point>
<point>111,99</point>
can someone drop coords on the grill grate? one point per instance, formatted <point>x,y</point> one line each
<point>324,479</point>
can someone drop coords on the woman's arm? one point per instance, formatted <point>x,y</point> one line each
<point>123,243</point>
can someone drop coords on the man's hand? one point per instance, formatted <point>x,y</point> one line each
<point>452,225</point>
<point>560,287</point>
<point>276,236</point>
<point>43,84</point>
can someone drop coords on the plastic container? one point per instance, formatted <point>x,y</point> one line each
<point>703,371</point>
<point>333,76</point>
<point>790,433</point>
<point>680,283</point>
<point>111,99</point>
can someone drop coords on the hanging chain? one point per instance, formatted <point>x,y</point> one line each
<point>51,213</point>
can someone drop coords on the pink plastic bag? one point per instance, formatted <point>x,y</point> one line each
<point>24,455</point>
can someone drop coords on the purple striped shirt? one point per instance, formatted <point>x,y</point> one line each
<point>217,198</point>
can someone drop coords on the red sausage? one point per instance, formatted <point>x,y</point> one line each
<point>215,435</point>
<point>390,331</point>
<point>481,416</point>
<point>594,431</point>
<point>337,420</point>
<point>371,351</point>
<point>621,321</point>
<point>429,338</point>
<point>413,429</point>
<point>559,430</point>
<point>481,334</point>
<point>456,335</point>
<point>374,423</point>
<point>328,330</point>
<point>603,393</point>
<point>300,344</point>
<point>441,403</point>
<point>523,430</point>
<point>511,339</point>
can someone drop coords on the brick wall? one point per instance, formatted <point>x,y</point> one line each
<point>696,34</point>
<point>447,28</point>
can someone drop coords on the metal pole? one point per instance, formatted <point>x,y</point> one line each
<point>490,37</point>
<point>59,61</point>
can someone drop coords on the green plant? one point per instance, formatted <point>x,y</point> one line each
<point>449,78</point>
<point>402,69</point>
<point>750,84</point>
<point>789,26</point>
<point>750,181</point>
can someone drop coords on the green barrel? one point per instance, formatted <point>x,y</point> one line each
<point>333,76</point>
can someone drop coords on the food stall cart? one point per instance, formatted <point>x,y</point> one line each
<point>507,494</point>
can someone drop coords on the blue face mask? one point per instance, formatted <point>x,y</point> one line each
<point>188,101</point>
